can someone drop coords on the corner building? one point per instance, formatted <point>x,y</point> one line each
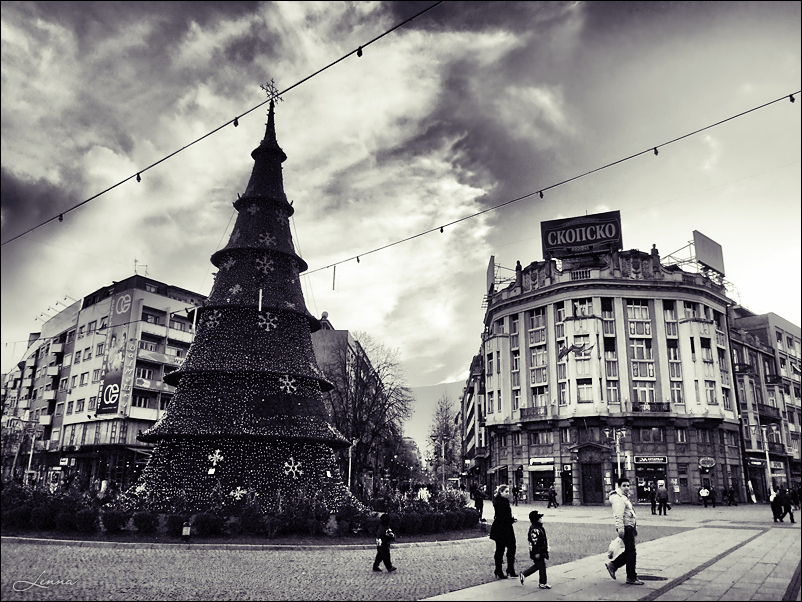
<point>609,359</point>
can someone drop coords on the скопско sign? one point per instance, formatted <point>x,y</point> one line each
<point>580,235</point>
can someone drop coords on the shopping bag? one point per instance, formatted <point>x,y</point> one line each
<point>615,549</point>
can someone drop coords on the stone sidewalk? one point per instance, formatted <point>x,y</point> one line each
<point>706,563</point>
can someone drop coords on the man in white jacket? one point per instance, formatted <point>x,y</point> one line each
<point>626,526</point>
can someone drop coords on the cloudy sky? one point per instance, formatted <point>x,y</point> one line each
<point>466,107</point>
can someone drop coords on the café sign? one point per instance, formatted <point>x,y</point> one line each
<point>707,462</point>
<point>651,460</point>
<point>580,235</point>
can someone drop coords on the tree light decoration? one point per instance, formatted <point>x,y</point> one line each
<point>247,417</point>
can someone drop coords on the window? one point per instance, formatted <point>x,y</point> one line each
<point>62,385</point>
<point>710,392</point>
<point>490,405</point>
<point>732,439</point>
<point>676,392</point>
<point>561,371</point>
<point>79,405</point>
<point>145,373</point>
<point>638,316</point>
<point>74,382</point>
<point>113,437</point>
<point>779,339</point>
<point>725,395</point>
<point>498,400</point>
<point>682,435</point>
<point>165,401</point>
<point>151,288</point>
<point>92,403</point>
<point>101,347</point>
<point>96,375</point>
<point>540,438</point>
<point>562,393</point>
<point>651,435</point>
<point>498,362</point>
<point>696,388</point>
<point>584,388</point>
<point>69,407</point>
<point>81,330</point>
<point>613,395</point>
<point>67,359</point>
<point>582,358</point>
<point>180,325</point>
<point>565,435</point>
<point>583,307</point>
<point>147,345</point>
<point>77,357</point>
<point>490,364</point>
<point>151,319</point>
<point>703,436</point>
<point>90,328</point>
<point>559,318</point>
<point>104,322</point>
<point>87,353</point>
<point>84,378</point>
<point>690,310</point>
<point>640,349</point>
<point>643,391</point>
<point>516,396</point>
<point>540,396</point>
<point>610,358</point>
<point>516,439</point>
<point>55,434</point>
<point>682,469</point>
<point>177,352</point>
<point>674,364</point>
<point>70,336</point>
<point>139,401</point>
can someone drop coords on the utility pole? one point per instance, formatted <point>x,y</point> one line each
<point>443,467</point>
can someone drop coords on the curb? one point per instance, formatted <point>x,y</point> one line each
<point>221,546</point>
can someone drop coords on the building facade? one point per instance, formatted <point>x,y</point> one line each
<point>93,377</point>
<point>609,363</point>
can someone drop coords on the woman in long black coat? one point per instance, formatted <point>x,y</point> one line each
<point>502,532</point>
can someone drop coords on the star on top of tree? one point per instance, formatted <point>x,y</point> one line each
<point>271,90</point>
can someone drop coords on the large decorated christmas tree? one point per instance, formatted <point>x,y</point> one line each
<point>248,413</point>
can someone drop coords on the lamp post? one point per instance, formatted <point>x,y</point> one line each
<point>443,466</point>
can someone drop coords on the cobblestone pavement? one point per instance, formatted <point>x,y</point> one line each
<point>73,572</point>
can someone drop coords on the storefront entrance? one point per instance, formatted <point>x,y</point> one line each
<point>648,471</point>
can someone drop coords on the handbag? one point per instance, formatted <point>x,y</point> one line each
<point>615,549</point>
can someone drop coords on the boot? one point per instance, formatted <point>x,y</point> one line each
<point>499,573</point>
<point>511,571</point>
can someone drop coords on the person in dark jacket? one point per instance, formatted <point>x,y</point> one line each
<point>538,549</point>
<point>479,500</point>
<point>713,495</point>
<point>552,497</point>
<point>653,497</point>
<point>384,536</point>
<point>785,504</point>
<point>662,499</point>
<point>502,532</point>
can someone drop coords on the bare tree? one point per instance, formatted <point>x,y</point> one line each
<point>444,440</point>
<point>370,401</point>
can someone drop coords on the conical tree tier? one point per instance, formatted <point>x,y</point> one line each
<point>188,472</point>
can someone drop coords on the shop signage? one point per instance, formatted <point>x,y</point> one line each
<point>539,461</point>
<point>55,468</point>
<point>775,465</point>
<point>583,234</point>
<point>63,461</point>
<point>567,467</point>
<point>707,462</point>
<point>755,463</point>
<point>651,459</point>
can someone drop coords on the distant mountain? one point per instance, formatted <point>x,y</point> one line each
<point>426,398</point>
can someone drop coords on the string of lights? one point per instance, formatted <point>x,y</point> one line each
<point>235,121</point>
<point>651,149</point>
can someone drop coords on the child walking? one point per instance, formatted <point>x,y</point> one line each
<point>384,535</point>
<point>538,549</point>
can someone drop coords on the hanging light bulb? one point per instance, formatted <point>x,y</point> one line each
<point>236,123</point>
<point>441,229</point>
<point>357,258</point>
<point>138,179</point>
<point>61,217</point>
<point>541,194</point>
<point>655,151</point>
<point>791,98</point>
<point>359,51</point>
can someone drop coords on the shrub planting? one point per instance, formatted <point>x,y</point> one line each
<point>42,519</point>
<point>114,521</point>
<point>18,517</point>
<point>86,520</point>
<point>146,522</point>
<point>65,521</point>
<point>175,524</point>
<point>208,525</point>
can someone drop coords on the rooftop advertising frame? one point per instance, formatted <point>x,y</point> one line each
<point>581,235</point>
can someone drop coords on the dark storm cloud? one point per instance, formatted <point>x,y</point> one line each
<point>26,203</point>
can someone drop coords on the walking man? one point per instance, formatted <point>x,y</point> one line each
<point>626,526</point>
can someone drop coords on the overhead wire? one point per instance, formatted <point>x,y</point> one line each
<point>651,149</point>
<point>358,51</point>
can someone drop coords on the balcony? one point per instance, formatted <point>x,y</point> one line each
<point>45,420</point>
<point>536,413</point>
<point>742,368</point>
<point>179,335</point>
<point>27,382</point>
<point>51,445</point>
<point>481,452</point>
<point>48,395</point>
<point>153,385</point>
<point>773,379</point>
<point>143,413</point>
<point>768,411</point>
<point>53,370</point>
<point>31,361</point>
<point>659,406</point>
<point>56,348</point>
<point>776,448</point>
<point>156,329</point>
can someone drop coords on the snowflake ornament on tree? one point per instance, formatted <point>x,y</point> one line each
<point>264,264</point>
<point>267,239</point>
<point>229,263</point>
<point>235,290</point>
<point>238,493</point>
<point>212,320</point>
<point>253,209</point>
<point>268,321</point>
<point>293,467</point>
<point>287,384</point>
